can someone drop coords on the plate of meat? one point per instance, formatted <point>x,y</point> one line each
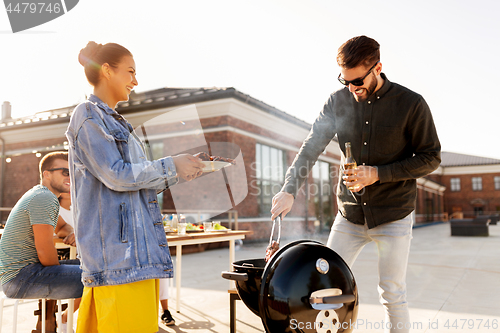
<point>214,163</point>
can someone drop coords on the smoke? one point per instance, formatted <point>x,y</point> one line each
<point>179,131</point>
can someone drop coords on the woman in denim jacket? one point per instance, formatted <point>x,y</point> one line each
<point>118,225</point>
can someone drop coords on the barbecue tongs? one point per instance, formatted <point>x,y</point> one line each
<point>273,229</point>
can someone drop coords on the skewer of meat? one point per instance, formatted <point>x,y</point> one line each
<point>274,245</point>
<point>271,249</point>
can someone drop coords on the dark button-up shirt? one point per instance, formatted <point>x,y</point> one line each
<point>393,130</point>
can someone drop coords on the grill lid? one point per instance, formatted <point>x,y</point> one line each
<point>307,287</point>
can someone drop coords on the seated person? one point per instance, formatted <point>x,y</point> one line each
<point>29,265</point>
<point>65,226</point>
<point>65,212</point>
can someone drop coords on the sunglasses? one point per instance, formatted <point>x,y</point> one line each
<point>65,171</point>
<point>357,82</point>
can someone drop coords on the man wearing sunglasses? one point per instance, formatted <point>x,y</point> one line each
<point>394,142</point>
<point>29,265</point>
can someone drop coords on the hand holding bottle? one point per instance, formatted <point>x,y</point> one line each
<point>359,178</point>
<point>350,168</point>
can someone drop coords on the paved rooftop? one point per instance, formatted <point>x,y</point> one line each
<point>453,286</point>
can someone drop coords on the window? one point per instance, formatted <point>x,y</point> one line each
<point>270,173</point>
<point>455,184</point>
<point>323,193</point>
<point>497,182</point>
<point>156,151</point>
<point>477,184</point>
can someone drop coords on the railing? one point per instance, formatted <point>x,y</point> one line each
<point>231,214</point>
<point>457,216</point>
<point>4,209</point>
<point>472,214</point>
<point>426,218</point>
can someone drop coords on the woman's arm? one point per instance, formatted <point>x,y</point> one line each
<point>98,151</point>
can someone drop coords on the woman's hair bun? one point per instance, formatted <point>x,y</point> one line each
<point>94,55</point>
<point>88,53</point>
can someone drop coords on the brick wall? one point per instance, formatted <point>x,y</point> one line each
<point>22,173</point>
<point>430,206</point>
<point>249,208</point>
<point>290,229</point>
<point>466,199</point>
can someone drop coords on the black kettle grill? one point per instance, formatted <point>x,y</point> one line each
<point>305,287</point>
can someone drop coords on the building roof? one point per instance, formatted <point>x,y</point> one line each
<point>454,160</point>
<point>155,99</point>
<point>171,97</point>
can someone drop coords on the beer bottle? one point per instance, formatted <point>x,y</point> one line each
<point>174,222</point>
<point>350,163</point>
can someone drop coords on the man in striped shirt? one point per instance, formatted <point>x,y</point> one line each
<point>29,265</point>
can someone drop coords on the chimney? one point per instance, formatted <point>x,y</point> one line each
<point>6,111</point>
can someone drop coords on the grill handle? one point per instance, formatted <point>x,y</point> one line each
<point>338,299</point>
<point>235,276</point>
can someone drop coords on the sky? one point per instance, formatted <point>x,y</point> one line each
<point>279,51</point>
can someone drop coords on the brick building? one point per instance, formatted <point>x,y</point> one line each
<point>472,182</point>
<point>430,200</point>
<point>264,139</point>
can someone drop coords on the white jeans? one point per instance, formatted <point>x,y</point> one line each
<point>393,244</point>
<point>164,289</point>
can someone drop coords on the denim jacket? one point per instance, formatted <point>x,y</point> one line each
<point>118,225</point>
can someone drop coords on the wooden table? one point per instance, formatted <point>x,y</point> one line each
<point>58,242</point>
<point>202,238</point>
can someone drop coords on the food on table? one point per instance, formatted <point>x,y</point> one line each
<point>217,226</point>
<point>205,157</point>
<point>193,227</point>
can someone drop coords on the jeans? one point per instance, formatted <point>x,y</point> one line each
<point>53,282</point>
<point>393,244</point>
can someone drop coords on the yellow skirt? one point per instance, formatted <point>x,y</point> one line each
<point>124,308</point>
